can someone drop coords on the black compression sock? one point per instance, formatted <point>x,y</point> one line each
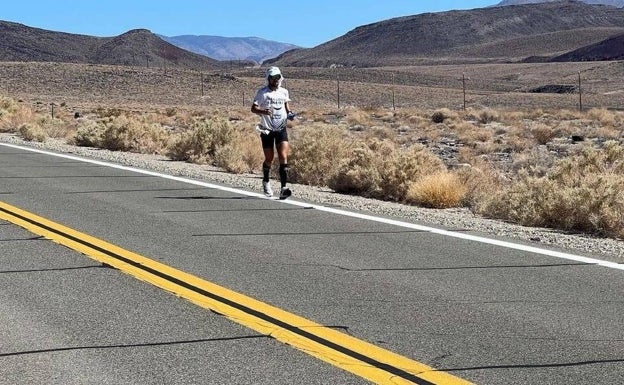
<point>283,172</point>
<point>266,169</point>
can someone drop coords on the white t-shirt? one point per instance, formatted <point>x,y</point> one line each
<point>274,101</point>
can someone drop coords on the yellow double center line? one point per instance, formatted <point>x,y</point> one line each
<point>351,354</point>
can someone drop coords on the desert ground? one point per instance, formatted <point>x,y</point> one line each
<point>526,143</point>
<point>501,86</point>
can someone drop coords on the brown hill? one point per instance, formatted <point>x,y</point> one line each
<point>478,35</point>
<point>609,49</point>
<point>614,3</point>
<point>137,47</point>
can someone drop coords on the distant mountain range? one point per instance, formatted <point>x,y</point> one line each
<point>140,47</point>
<point>137,47</point>
<point>547,31</point>
<point>615,3</point>
<point>230,48</point>
<point>493,34</point>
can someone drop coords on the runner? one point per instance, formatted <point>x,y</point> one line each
<point>272,104</point>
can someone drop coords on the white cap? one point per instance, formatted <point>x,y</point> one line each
<point>272,71</point>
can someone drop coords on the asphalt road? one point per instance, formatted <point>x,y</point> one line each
<point>484,313</point>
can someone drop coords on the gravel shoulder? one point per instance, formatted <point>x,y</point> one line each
<point>452,219</point>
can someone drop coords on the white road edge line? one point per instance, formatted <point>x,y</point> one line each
<point>509,245</point>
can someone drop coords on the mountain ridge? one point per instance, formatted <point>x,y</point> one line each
<point>615,3</point>
<point>251,48</point>
<point>449,37</point>
<point>609,49</point>
<point>530,32</point>
<point>19,42</point>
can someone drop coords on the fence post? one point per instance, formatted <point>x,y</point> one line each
<point>201,77</point>
<point>580,93</point>
<point>464,88</point>
<point>393,81</point>
<point>338,89</point>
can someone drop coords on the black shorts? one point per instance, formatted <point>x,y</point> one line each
<point>274,138</point>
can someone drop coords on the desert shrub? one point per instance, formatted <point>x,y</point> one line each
<point>464,127</point>
<point>403,167</point>
<point>543,133</point>
<point>220,133</point>
<point>477,137</point>
<point>151,139</point>
<point>8,106</point>
<point>413,117</point>
<point>580,193</point>
<point>251,151</point>
<point>439,116</point>
<point>243,154</point>
<point>199,145</point>
<point>108,113</point>
<point>481,134</point>
<point>387,117</point>
<point>88,134</point>
<point>119,133</point>
<point>186,146</point>
<point>378,169</point>
<point>127,133</point>
<point>536,162</point>
<point>565,114</point>
<point>230,158</point>
<point>566,128</point>
<point>358,117</point>
<point>518,139</point>
<point>316,152</point>
<point>480,180</point>
<point>439,190</point>
<point>359,173</point>
<point>535,114</point>
<point>53,127</point>
<point>488,115</point>
<point>13,115</point>
<point>509,117</point>
<point>603,116</point>
<point>382,132</point>
<point>32,132</point>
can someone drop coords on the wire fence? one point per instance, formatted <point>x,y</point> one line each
<point>501,86</point>
<point>547,86</point>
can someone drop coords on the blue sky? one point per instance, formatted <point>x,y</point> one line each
<point>301,22</point>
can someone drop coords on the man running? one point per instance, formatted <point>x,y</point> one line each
<point>272,104</point>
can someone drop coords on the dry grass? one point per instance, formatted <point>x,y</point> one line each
<point>509,155</point>
<point>440,190</point>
